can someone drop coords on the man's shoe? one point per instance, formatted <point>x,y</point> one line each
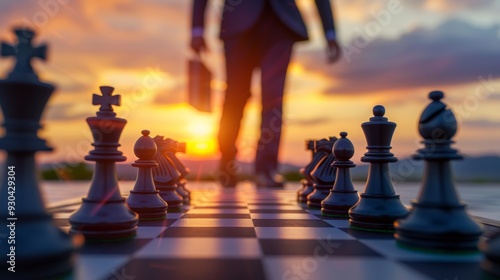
<point>228,181</point>
<point>268,181</point>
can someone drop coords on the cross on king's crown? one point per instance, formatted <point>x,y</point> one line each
<point>24,51</point>
<point>106,99</point>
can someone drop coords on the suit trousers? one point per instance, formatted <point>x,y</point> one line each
<point>268,46</point>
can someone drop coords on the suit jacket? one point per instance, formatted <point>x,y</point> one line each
<point>240,15</point>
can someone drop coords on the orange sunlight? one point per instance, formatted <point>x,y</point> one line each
<point>201,142</point>
<point>202,148</point>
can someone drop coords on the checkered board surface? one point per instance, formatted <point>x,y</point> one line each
<point>258,234</point>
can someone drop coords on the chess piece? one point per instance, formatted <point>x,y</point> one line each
<point>36,248</point>
<point>144,198</point>
<point>24,52</point>
<point>103,214</point>
<point>165,176</point>
<point>172,147</point>
<point>180,189</point>
<point>491,261</point>
<point>343,195</point>
<point>379,206</point>
<point>324,176</point>
<point>438,220</point>
<point>305,182</point>
<point>319,156</point>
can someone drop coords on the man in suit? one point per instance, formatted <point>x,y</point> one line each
<point>257,34</point>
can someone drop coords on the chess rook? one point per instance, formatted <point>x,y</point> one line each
<point>379,205</point>
<point>41,249</point>
<point>144,199</point>
<point>438,220</point>
<point>324,176</point>
<point>306,181</point>
<point>165,176</point>
<point>343,195</point>
<point>103,214</point>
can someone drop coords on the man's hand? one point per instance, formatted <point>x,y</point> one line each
<point>333,51</point>
<point>198,44</point>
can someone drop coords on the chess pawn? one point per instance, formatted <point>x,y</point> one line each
<point>343,195</point>
<point>438,220</point>
<point>144,198</point>
<point>103,215</point>
<point>379,205</point>
<point>305,182</point>
<point>165,177</point>
<point>319,156</point>
<point>324,176</point>
<point>42,250</point>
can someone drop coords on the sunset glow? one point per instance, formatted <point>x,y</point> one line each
<point>203,149</point>
<point>201,142</point>
<point>391,56</point>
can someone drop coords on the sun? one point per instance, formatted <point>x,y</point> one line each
<point>201,147</point>
<point>200,129</point>
<point>200,137</point>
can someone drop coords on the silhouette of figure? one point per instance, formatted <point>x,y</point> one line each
<point>257,34</point>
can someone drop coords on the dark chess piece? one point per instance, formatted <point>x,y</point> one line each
<point>41,250</point>
<point>379,206</point>
<point>319,156</point>
<point>24,51</point>
<point>306,181</point>
<point>180,189</point>
<point>343,195</point>
<point>491,261</point>
<point>438,220</point>
<point>165,177</point>
<point>144,199</point>
<point>324,175</point>
<point>172,147</point>
<point>103,214</point>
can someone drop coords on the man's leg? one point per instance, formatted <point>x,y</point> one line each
<point>274,64</point>
<point>240,62</point>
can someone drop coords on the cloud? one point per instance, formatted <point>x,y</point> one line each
<point>308,121</point>
<point>356,11</point>
<point>114,33</point>
<point>482,123</point>
<point>455,52</point>
<point>359,11</point>
<point>67,111</point>
<point>171,96</point>
<point>453,5</point>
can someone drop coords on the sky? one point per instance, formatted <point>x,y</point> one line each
<point>394,53</point>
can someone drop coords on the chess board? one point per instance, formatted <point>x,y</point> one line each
<point>249,233</point>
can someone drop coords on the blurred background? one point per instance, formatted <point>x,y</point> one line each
<point>394,53</point>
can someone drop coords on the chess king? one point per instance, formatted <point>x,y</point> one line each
<point>32,245</point>
<point>103,215</point>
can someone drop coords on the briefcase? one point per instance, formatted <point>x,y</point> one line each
<point>199,92</point>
